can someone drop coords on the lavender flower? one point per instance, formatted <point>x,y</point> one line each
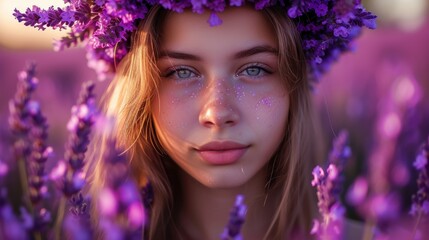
<point>421,198</point>
<point>77,225</point>
<point>19,119</point>
<point>29,125</point>
<point>36,170</point>
<point>236,220</point>
<point>69,173</point>
<point>15,228</point>
<point>328,187</point>
<point>4,169</point>
<point>39,154</point>
<point>83,118</point>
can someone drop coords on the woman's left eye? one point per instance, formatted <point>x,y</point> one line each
<point>253,71</point>
<point>181,73</point>
<point>184,73</point>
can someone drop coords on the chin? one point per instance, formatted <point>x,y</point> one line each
<point>214,182</point>
<point>230,178</point>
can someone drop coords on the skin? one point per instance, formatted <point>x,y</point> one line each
<point>220,84</point>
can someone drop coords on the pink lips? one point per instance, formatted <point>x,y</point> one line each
<point>222,153</point>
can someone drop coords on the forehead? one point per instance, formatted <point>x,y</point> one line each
<point>241,28</point>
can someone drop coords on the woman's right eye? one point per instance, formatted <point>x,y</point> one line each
<point>181,73</point>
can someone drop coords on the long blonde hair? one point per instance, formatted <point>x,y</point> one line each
<point>131,95</point>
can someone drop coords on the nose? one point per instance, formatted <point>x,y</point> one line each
<point>219,107</point>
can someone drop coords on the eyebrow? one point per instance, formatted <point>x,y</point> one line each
<point>242,54</point>
<point>178,55</point>
<point>256,50</point>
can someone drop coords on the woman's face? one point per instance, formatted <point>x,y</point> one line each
<point>222,108</point>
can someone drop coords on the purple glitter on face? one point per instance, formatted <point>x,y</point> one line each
<point>267,101</point>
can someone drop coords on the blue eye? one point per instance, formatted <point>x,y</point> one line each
<point>254,70</point>
<point>181,73</point>
<point>184,73</point>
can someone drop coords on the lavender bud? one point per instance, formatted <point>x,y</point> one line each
<point>236,220</point>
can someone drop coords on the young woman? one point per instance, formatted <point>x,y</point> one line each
<point>206,112</point>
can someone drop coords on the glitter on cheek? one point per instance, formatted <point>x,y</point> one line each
<point>267,101</point>
<point>262,106</point>
<point>240,93</point>
<point>175,100</point>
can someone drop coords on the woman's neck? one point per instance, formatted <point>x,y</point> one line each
<point>204,212</point>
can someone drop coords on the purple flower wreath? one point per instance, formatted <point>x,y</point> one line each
<point>105,27</point>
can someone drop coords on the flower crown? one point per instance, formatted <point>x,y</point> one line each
<point>105,27</point>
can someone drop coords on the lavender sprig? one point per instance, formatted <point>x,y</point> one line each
<point>329,186</point>
<point>39,153</point>
<point>69,173</point>
<point>327,29</point>
<point>19,120</point>
<point>79,126</point>
<point>420,205</point>
<point>36,170</point>
<point>30,128</point>
<point>236,220</point>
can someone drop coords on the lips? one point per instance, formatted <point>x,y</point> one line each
<point>222,153</point>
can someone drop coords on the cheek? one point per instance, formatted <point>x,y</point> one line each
<point>267,105</point>
<point>172,114</point>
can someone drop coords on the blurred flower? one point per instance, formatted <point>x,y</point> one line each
<point>79,126</point>
<point>75,229</point>
<point>4,169</point>
<point>31,130</point>
<point>328,187</point>
<point>358,191</point>
<point>15,228</point>
<point>421,198</point>
<point>39,153</point>
<point>236,220</point>
<point>19,118</point>
<point>122,211</point>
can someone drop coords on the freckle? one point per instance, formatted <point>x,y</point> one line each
<point>175,100</point>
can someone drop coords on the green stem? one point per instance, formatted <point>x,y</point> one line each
<point>368,233</point>
<point>37,236</point>
<point>416,226</point>
<point>23,177</point>
<point>60,216</point>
